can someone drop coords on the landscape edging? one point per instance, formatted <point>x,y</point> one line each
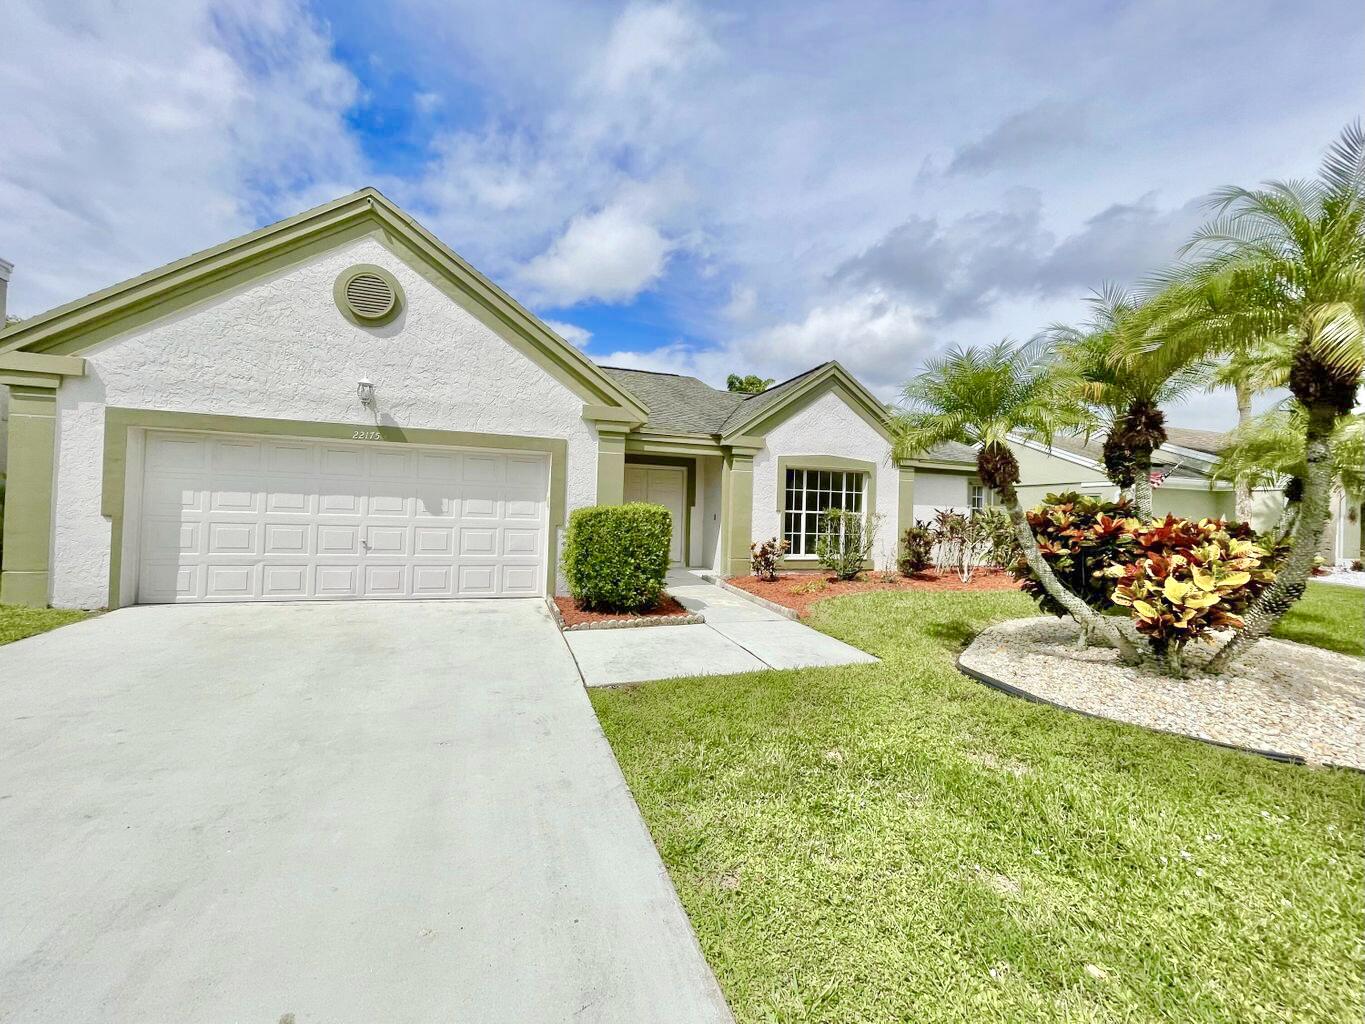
<point>1015,691</point>
<point>762,602</point>
<point>690,619</point>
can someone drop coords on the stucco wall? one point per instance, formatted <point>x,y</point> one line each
<point>279,348</point>
<point>934,490</point>
<point>827,427</point>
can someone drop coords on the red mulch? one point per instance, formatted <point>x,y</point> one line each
<point>573,615</point>
<point>790,588</point>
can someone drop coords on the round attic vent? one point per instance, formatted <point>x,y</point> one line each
<point>368,295</point>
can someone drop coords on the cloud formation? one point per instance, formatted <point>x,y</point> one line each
<point>1040,131</point>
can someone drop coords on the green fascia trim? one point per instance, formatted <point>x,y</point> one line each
<point>609,414</point>
<point>350,273</point>
<point>679,444</point>
<point>832,377</point>
<point>28,379</point>
<point>118,421</point>
<point>689,468</point>
<point>24,577</point>
<point>943,467</point>
<point>78,325</point>
<point>36,362</point>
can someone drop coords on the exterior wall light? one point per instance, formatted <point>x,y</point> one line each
<point>364,389</point>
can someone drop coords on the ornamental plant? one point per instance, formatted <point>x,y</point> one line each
<point>763,557</point>
<point>1080,537</point>
<point>963,541</point>
<point>917,549</point>
<point>844,543</point>
<point>1186,579</point>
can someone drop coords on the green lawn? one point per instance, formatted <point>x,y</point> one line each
<point>17,622</point>
<point>1328,615</point>
<point>897,843</point>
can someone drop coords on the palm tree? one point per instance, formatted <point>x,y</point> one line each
<point>1284,260</point>
<point>1252,368</point>
<point>981,396</point>
<point>1269,451</point>
<point>1127,396</point>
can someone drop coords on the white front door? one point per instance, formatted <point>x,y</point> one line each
<point>666,486</point>
<point>227,517</point>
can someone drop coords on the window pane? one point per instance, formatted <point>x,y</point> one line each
<point>792,480</point>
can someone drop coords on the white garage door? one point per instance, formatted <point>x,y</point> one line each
<point>234,518</point>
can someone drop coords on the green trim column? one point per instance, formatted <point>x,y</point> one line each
<point>611,464</point>
<point>28,496</point>
<point>737,508</point>
<point>905,504</point>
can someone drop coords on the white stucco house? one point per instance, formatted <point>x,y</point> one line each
<point>337,406</point>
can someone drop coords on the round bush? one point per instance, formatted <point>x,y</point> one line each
<point>616,556</point>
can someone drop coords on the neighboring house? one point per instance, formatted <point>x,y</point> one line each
<point>1186,487</point>
<point>338,406</point>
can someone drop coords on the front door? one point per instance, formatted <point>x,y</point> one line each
<point>666,486</point>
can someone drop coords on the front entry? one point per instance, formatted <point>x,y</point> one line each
<point>666,486</point>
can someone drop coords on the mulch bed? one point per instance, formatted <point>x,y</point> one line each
<point>800,590</point>
<point>575,616</point>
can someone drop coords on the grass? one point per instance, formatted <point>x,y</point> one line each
<point>17,622</point>
<point>1329,615</point>
<point>894,842</point>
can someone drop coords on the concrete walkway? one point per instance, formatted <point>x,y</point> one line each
<point>358,812</point>
<point>739,635</point>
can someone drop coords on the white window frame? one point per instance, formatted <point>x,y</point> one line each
<point>975,491</point>
<point>804,505</point>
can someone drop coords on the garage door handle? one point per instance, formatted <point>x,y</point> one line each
<point>365,544</point>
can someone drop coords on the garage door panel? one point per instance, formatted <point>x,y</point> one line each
<point>284,581</point>
<point>229,518</point>
<point>225,582</point>
<point>287,539</point>
<point>232,538</point>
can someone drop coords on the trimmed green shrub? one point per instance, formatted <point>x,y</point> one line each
<point>616,556</point>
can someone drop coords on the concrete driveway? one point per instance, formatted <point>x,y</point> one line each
<point>344,812</point>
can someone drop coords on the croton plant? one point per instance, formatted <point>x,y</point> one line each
<point>1186,579</point>
<point>1179,579</point>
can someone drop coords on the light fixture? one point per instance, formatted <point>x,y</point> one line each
<point>364,389</point>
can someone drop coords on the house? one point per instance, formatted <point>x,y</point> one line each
<point>338,406</point>
<point>1183,483</point>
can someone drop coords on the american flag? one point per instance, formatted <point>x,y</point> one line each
<point>1157,477</point>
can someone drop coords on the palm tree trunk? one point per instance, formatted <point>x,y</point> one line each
<point>1292,577</point>
<point>1242,485</point>
<point>1142,485</point>
<point>1091,622</point>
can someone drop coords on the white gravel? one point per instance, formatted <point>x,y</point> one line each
<point>1284,697</point>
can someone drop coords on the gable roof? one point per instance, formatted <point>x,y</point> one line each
<point>1176,466</point>
<point>685,404</point>
<point>1211,442</point>
<point>76,325</point>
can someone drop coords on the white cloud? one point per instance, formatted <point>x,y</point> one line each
<point>138,133</point>
<point>877,338</point>
<point>572,333</point>
<point>611,255</point>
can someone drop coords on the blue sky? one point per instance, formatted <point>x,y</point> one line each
<point>684,186</point>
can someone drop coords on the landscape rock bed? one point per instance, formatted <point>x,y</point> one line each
<point>1283,698</point>
<point>668,612</point>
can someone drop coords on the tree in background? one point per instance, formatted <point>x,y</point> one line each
<point>752,384</point>
<point>1127,396</point>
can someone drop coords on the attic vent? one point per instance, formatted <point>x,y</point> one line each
<point>368,295</point>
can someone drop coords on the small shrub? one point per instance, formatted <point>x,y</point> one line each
<point>999,530</point>
<point>917,549</point>
<point>811,587</point>
<point>845,541</point>
<point>1357,565</point>
<point>616,556</point>
<point>962,541</point>
<point>765,556</point>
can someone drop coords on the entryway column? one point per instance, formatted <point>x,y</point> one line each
<point>28,495</point>
<point>612,426</point>
<point>905,504</point>
<point>737,504</point>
